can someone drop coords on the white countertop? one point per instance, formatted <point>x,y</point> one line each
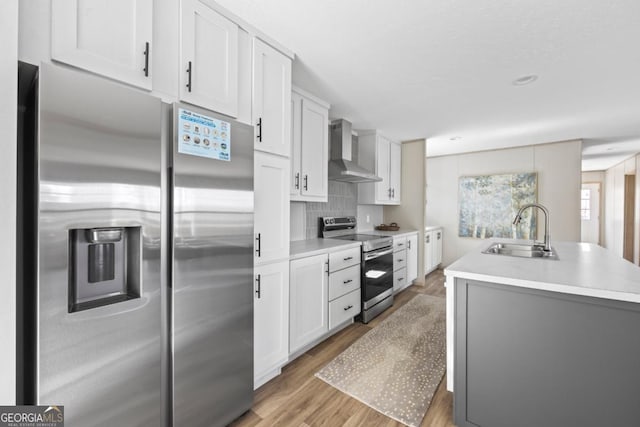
<point>432,227</point>
<point>401,232</point>
<point>581,269</point>
<point>311,247</point>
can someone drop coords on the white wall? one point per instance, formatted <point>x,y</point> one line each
<point>559,179</point>
<point>8,117</point>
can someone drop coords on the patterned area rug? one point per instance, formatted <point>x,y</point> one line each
<point>396,367</point>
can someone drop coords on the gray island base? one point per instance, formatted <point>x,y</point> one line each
<point>527,355</point>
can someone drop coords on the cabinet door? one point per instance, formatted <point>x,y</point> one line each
<point>315,151</point>
<point>383,188</point>
<point>270,318</point>
<point>296,145</point>
<point>208,59</point>
<point>395,171</point>
<point>271,99</point>
<point>412,258</point>
<point>428,251</point>
<point>108,37</point>
<point>437,247</point>
<point>271,210</point>
<point>309,302</point>
<point>399,279</point>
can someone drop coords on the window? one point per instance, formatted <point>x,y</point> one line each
<point>585,204</point>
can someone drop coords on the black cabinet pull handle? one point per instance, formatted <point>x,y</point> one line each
<point>189,76</point>
<point>400,260</point>
<point>400,244</point>
<point>349,307</point>
<point>146,59</point>
<point>306,182</point>
<point>347,281</point>
<point>259,240</point>
<point>327,267</point>
<point>259,130</point>
<point>297,180</point>
<point>400,279</point>
<point>393,192</point>
<point>258,290</point>
<point>409,244</point>
<point>348,258</point>
<point>389,192</point>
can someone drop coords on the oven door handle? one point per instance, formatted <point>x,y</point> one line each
<point>376,254</point>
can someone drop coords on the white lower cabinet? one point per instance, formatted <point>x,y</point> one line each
<point>399,263</point>
<point>412,257</point>
<point>405,261</point>
<point>344,308</point>
<point>432,249</point>
<point>324,294</point>
<point>308,303</point>
<point>270,321</point>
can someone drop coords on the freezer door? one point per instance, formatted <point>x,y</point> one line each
<point>212,268</point>
<point>99,169</point>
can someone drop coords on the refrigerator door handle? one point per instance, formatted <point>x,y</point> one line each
<point>259,241</point>
<point>259,289</point>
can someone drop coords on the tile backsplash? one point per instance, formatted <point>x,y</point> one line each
<point>343,201</point>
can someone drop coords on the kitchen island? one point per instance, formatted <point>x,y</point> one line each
<point>548,342</point>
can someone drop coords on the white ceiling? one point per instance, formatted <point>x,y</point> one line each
<point>439,69</point>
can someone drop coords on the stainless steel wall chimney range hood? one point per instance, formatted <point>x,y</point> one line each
<point>341,168</point>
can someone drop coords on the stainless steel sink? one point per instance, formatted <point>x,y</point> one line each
<point>519,250</point>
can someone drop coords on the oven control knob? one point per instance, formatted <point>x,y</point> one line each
<point>326,221</point>
<point>333,221</point>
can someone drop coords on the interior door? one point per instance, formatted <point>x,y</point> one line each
<point>590,212</point>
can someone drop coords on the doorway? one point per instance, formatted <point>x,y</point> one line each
<point>590,212</point>
<point>629,216</point>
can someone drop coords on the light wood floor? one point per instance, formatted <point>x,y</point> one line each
<point>297,398</point>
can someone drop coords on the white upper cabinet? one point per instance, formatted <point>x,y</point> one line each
<point>384,157</point>
<point>107,37</point>
<point>208,59</point>
<point>271,99</point>
<point>309,148</point>
<point>271,207</point>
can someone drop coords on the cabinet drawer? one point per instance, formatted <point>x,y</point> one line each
<point>344,281</point>
<point>399,243</point>
<point>343,259</point>
<point>344,308</point>
<point>399,259</point>
<point>399,279</point>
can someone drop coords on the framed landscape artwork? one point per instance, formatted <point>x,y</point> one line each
<point>489,203</point>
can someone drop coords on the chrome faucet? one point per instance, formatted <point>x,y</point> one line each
<point>516,221</point>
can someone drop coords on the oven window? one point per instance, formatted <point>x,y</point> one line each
<point>377,276</point>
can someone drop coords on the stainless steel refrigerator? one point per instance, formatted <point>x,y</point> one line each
<point>135,255</point>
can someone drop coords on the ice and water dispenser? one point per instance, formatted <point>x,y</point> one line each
<point>104,266</point>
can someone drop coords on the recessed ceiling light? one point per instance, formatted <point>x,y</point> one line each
<point>455,138</point>
<point>524,80</point>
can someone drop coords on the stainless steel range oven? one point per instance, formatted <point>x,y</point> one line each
<point>376,263</point>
